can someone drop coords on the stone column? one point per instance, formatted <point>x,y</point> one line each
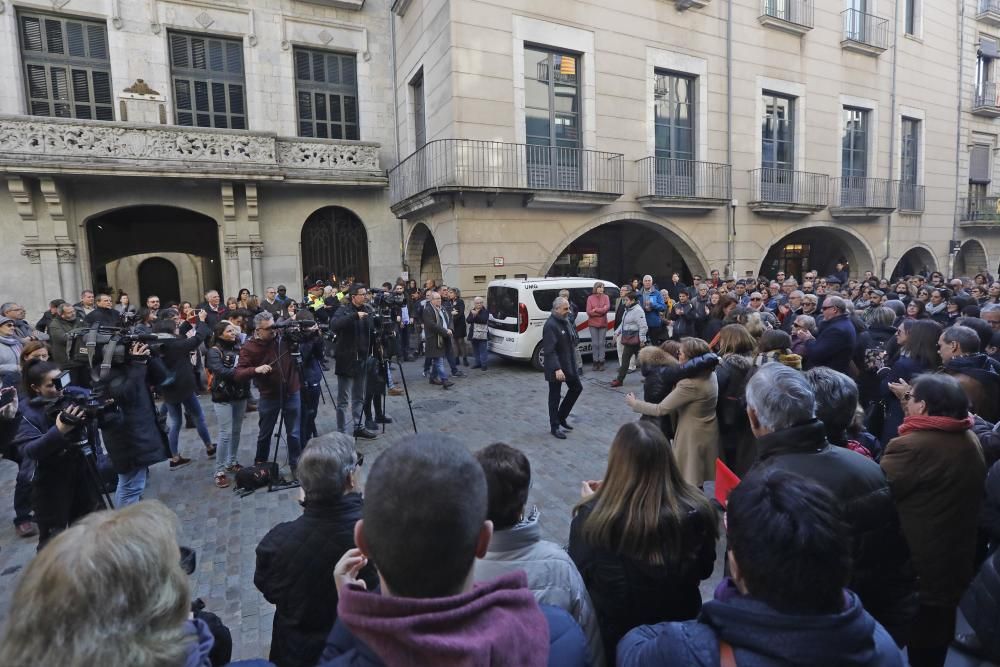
<point>257,264</point>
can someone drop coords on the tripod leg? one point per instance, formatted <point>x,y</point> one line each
<point>406,391</point>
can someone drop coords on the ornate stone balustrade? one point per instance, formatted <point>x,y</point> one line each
<point>36,145</point>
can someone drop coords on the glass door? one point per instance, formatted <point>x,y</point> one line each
<point>552,119</point>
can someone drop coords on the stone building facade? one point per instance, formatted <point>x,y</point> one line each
<point>173,146</point>
<point>582,137</point>
<point>179,145</point>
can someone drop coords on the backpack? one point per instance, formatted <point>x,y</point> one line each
<point>257,476</point>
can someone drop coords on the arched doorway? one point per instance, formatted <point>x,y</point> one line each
<point>621,249</point>
<point>159,276</point>
<point>971,259</point>
<point>817,249</point>
<point>123,240</point>
<point>917,260</point>
<point>334,240</point>
<point>422,256</point>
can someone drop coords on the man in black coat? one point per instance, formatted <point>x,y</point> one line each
<point>295,559</point>
<point>781,406</point>
<point>833,346</point>
<point>354,331</point>
<point>559,351</point>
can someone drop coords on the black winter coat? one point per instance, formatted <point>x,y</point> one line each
<point>133,434</point>
<point>294,565</point>
<point>737,444</point>
<point>353,340</point>
<point>177,359</point>
<point>981,606</point>
<point>658,382</point>
<point>882,574</point>
<point>989,517</point>
<point>627,593</point>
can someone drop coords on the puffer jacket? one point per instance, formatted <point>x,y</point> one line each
<point>737,445</point>
<point>10,354</point>
<point>883,572</point>
<point>634,319</point>
<point>981,606</point>
<point>552,575</point>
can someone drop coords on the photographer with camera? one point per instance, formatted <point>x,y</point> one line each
<point>229,398</point>
<point>354,327</point>
<point>49,434</point>
<point>272,369</point>
<point>180,387</point>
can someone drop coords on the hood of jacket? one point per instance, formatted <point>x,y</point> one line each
<point>977,366</point>
<point>802,438</point>
<point>519,536</point>
<point>840,639</point>
<point>202,643</point>
<point>468,630</point>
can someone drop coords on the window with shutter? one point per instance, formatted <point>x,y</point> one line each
<point>419,119</point>
<point>208,85</point>
<point>979,163</point>
<point>67,72</point>
<point>327,93</point>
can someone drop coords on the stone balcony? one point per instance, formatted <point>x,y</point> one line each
<point>54,146</point>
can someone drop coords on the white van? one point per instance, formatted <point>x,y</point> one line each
<point>518,310</point>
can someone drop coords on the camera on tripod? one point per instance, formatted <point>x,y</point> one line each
<point>91,403</point>
<point>383,319</point>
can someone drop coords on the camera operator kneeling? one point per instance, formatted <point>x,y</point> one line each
<point>62,491</point>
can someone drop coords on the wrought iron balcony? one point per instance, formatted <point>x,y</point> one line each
<point>684,184</point>
<point>786,192</point>
<point>911,198</point>
<point>794,16</point>
<point>546,176</point>
<point>989,12</point>
<point>862,197</point>
<point>979,211</point>
<point>987,100</point>
<point>33,144</point>
<point>865,33</point>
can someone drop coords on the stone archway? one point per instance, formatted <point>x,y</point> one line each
<point>120,240</point>
<point>971,259</point>
<point>422,258</point>
<point>618,246</point>
<point>158,275</point>
<point>334,240</point>
<point>918,259</point>
<point>817,248</point>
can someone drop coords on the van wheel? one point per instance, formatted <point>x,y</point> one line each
<point>538,358</point>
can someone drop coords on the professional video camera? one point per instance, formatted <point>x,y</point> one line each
<point>91,403</point>
<point>295,332</point>
<point>384,319</point>
<point>108,346</point>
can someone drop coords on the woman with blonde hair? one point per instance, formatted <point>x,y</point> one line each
<point>692,403</point>
<point>642,538</point>
<point>108,590</point>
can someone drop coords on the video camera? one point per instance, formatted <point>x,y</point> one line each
<point>109,345</point>
<point>91,403</point>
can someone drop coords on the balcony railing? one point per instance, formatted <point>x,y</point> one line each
<point>785,191</point>
<point>859,196</point>
<point>863,32</point>
<point>911,198</point>
<point>795,16</point>
<point>677,183</point>
<point>450,165</point>
<point>58,145</point>
<point>989,12</point>
<point>979,210</point>
<point>987,99</point>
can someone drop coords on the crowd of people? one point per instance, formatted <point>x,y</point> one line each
<point>863,432</point>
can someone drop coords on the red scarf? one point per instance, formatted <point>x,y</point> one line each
<point>934,423</point>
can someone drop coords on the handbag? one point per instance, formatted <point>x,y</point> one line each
<point>630,336</point>
<point>480,331</point>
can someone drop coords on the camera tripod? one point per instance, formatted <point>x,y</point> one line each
<point>275,481</point>
<point>89,452</point>
<point>376,350</point>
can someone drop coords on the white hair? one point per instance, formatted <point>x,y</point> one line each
<point>780,397</point>
<point>560,301</point>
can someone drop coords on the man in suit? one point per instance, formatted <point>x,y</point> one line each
<point>558,347</point>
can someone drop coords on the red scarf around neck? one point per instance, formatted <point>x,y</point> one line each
<point>935,423</point>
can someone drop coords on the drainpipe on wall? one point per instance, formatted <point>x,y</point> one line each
<point>892,136</point>
<point>731,223</point>
<point>395,123</point>
<point>958,134</point>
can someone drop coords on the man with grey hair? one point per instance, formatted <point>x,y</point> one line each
<point>652,304</point>
<point>781,407</point>
<point>975,371</point>
<point>558,348</point>
<point>833,344</point>
<point>278,382</point>
<point>991,313</point>
<point>790,309</point>
<point>837,406</point>
<point>296,558</point>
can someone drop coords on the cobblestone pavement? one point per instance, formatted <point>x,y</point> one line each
<point>506,403</point>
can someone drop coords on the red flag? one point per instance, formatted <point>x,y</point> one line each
<point>725,481</point>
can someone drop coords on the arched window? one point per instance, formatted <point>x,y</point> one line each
<point>334,240</point>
